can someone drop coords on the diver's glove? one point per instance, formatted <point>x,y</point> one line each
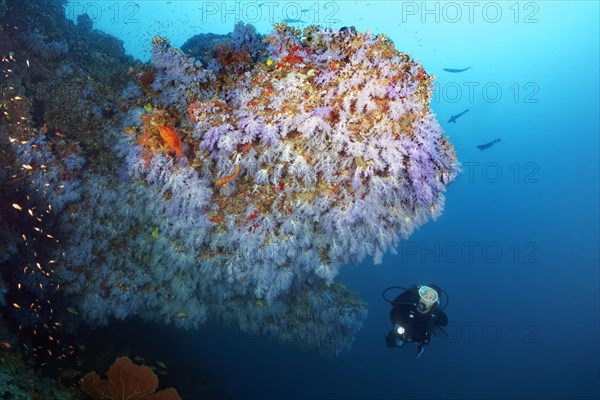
<point>420,350</point>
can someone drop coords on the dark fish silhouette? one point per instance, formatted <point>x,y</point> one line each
<point>455,70</point>
<point>293,21</point>
<point>488,145</point>
<point>454,117</point>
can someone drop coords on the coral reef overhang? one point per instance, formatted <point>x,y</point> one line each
<point>245,182</point>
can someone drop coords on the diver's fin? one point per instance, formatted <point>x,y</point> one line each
<point>420,350</point>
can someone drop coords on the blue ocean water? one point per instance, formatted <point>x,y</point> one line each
<point>517,247</point>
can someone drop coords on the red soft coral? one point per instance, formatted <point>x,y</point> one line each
<point>126,381</point>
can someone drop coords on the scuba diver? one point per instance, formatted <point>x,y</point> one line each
<point>416,314</point>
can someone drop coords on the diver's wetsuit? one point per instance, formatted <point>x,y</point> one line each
<point>418,326</point>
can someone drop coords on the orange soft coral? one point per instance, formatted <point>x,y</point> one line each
<point>126,380</point>
<point>169,136</point>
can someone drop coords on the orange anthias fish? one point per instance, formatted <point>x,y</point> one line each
<point>169,136</point>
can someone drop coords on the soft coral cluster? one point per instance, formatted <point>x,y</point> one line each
<point>324,154</point>
<point>317,150</point>
<point>330,146</point>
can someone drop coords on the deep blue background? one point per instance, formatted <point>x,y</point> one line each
<point>524,322</point>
